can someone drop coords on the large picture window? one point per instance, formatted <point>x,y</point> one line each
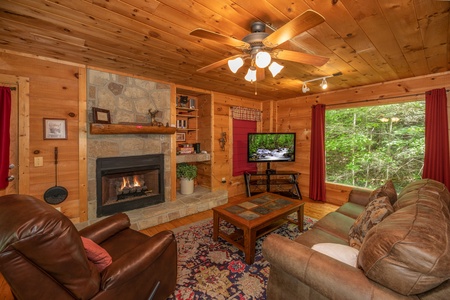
<point>365,146</point>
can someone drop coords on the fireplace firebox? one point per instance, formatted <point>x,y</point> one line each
<point>130,182</point>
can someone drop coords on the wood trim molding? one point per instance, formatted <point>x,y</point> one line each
<point>23,86</point>
<point>82,145</point>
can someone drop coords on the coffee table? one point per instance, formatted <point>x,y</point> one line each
<point>255,216</point>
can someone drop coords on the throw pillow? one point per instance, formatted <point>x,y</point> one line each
<point>374,213</point>
<point>388,189</point>
<point>96,254</point>
<point>343,253</point>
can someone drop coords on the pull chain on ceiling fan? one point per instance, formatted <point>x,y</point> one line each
<point>259,47</point>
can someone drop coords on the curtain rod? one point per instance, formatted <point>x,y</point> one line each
<point>370,100</point>
<point>12,88</point>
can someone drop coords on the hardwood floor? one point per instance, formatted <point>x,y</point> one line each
<point>313,209</point>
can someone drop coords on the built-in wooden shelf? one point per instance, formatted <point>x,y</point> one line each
<point>97,128</point>
<point>195,157</point>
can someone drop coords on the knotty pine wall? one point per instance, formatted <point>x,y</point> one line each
<point>222,161</point>
<point>295,115</point>
<point>53,93</point>
<point>57,89</point>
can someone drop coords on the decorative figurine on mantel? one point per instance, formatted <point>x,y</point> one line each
<point>153,121</point>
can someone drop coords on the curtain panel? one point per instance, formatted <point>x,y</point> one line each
<point>317,173</point>
<point>5,115</point>
<point>436,162</point>
<point>241,128</point>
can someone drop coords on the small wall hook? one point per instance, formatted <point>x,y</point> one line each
<point>223,140</point>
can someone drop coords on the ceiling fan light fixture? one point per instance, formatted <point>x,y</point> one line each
<point>235,64</point>
<point>275,68</point>
<point>251,74</point>
<point>263,59</point>
<point>324,84</point>
<point>305,88</point>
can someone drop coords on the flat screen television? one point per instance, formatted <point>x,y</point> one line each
<point>271,147</point>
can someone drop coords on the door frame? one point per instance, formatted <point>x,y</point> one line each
<point>23,127</point>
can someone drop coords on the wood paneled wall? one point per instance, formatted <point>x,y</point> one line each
<point>57,90</point>
<point>53,93</point>
<point>295,115</point>
<point>223,160</point>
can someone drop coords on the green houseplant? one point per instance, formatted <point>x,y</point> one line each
<point>186,173</point>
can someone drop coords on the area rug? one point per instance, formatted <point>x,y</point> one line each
<point>217,270</point>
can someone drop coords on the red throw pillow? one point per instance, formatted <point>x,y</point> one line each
<point>96,254</point>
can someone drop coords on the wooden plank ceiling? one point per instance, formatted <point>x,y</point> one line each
<point>367,41</point>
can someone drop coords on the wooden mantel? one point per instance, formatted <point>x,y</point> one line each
<point>97,128</point>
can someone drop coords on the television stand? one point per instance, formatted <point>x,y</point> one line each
<point>285,182</point>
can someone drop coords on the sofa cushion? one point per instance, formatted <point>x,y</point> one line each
<point>375,212</point>
<point>330,221</point>
<point>351,210</point>
<point>409,251</point>
<point>343,253</point>
<point>388,189</point>
<point>429,190</point>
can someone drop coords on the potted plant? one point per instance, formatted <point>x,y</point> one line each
<point>187,173</point>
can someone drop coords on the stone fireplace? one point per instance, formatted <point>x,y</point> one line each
<point>129,182</point>
<point>129,100</point>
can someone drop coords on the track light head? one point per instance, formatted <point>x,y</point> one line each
<point>305,88</point>
<point>324,83</point>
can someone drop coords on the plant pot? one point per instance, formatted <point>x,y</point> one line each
<point>186,186</point>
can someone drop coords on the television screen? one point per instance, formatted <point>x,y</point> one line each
<point>271,147</point>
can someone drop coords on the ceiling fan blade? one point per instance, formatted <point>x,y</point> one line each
<point>217,64</point>
<point>299,57</point>
<point>260,74</point>
<point>210,35</point>
<point>299,24</point>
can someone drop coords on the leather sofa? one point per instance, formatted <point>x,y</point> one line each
<point>405,256</point>
<point>42,255</point>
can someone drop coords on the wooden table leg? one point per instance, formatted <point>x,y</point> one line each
<point>300,217</point>
<point>249,245</point>
<point>215,225</point>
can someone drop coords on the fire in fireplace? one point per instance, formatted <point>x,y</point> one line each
<point>131,182</point>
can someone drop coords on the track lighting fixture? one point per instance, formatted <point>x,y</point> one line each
<point>305,88</point>
<point>324,84</point>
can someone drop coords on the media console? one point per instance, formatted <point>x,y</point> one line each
<point>287,180</point>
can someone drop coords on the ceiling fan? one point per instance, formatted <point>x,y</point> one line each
<point>260,46</point>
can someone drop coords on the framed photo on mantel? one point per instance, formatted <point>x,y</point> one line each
<point>101,115</point>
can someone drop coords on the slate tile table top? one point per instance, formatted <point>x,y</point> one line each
<point>254,217</point>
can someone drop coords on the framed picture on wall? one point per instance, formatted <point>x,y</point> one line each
<point>101,115</point>
<point>181,137</point>
<point>55,129</point>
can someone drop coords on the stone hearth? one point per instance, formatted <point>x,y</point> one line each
<point>201,200</point>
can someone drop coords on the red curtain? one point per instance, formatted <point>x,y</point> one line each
<point>436,162</point>
<point>5,115</point>
<point>240,130</point>
<point>317,159</point>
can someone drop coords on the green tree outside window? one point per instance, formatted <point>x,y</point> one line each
<point>365,146</point>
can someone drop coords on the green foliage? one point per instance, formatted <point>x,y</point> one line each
<point>366,146</point>
<point>187,171</point>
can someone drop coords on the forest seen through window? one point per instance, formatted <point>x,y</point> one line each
<point>366,146</point>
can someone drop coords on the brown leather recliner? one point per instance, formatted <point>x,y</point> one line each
<point>42,256</point>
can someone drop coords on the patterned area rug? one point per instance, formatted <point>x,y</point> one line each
<point>217,270</point>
